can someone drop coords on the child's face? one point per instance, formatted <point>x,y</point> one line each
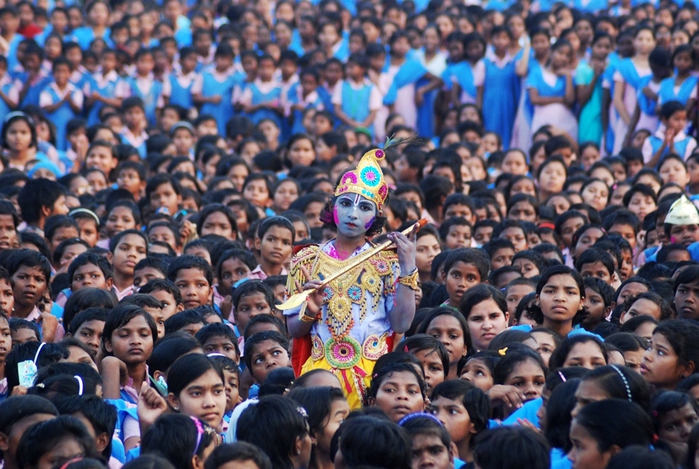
<point>332,73</point>
<point>170,306</point>
<point>145,64</point>
<point>514,163</point>
<point>5,339</point>
<point>485,321</point>
<point>250,306</point>
<point>459,279</point>
<point>432,367</point>
<point>501,41</point>
<point>164,196</point>
<point>231,383</point>
<point>266,70</point>
<point>61,73</point>
<point>131,343</point>
<point>164,234</point>
<point>232,271</point>
<point>90,334</point>
<point>145,275</point>
<point>427,249</point>
<point>7,299</point>
<point>267,356</point>
<point>120,219</point>
<point>204,398</point>
<point>595,306</point>
<point>677,121</point>
<point>19,136</point>
<point>568,229</point>
<point>60,235</point>
<point>528,378</point>
<point>30,285</point>
<point>674,171</point>
<point>400,395</point>
<point>223,345</point>
<point>130,250</point>
<point>429,451</point>
<point>454,417</point>
<point>157,315</point>
<point>275,246</point>
<point>130,180</point>
<point>448,331</point>
<point>135,118</point>
<point>88,231</point>
<point>22,336</point>
<point>217,223</point>
<point>459,236</point>
<point>556,286</point>
<point>89,276</point>
<point>194,288</point>
<point>459,210</point>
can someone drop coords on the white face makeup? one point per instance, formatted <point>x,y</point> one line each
<point>353,215</point>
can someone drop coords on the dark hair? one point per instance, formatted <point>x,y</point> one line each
<point>120,316</point>
<point>421,342</point>
<point>447,311</point>
<point>250,288</point>
<point>101,415</point>
<point>169,349</point>
<point>37,194</point>
<point>616,422</point>
<point>217,330</point>
<point>90,258</point>
<point>187,261</point>
<point>558,414</point>
<point>374,442</point>
<point>177,438</point>
<point>317,401</point>
<point>387,371</point>
<point>639,457</point>
<point>161,284</point>
<point>179,321</point>
<point>479,294</point>
<point>29,258</point>
<point>238,451</point>
<point>525,448</point>
<point>188,368</point>
<point>15,408</point>
<point>273,425</point>
<point>609,379</point>
<point>216,208</point>
<point>260,337</point>
<point>114,242</point>
<point>591,256</point>
<point>41,438</point>
<point>683,336</point>
<point>560,355</point>
<point>469,256</point>
<point>474,400</point>
<point>512,358</point>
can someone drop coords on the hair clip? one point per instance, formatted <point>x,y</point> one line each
<point>626,382</point>
<point>302,411</point>
<point>405,349</point>
<point>502,351</point>
<point>563,378</point>
<point>68,463</point>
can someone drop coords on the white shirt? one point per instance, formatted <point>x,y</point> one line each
<point>45,98</point>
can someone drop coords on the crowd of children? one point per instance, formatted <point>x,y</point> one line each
<point>172,172</point>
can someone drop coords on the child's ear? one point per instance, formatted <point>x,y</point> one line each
<point>173,402</point>
<point>46,211</point>
<point>258,243</point>
<point>4,442</point>
<point>180,307</point>
<point>210,298</point>
<point>107,345</point>
<point>102,441</point>
<point>110,283</point>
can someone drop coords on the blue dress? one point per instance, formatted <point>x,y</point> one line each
<point>180,95</point>
<point>500,99</point>
<point>355,102</point>
<point>107,90</point>
<point>297,116</point>
<point>260,97</point>
<point>84,36</point>
<point>59,118</point>
<point>150,99</point>
<point>32,96</point>
<point>667,90</point>
<point>462,74</point>
<point>222,111</point>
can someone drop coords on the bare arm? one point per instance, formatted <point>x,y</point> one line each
<point>619,101</point>
<point>569,98</point>
<point>542,100</point>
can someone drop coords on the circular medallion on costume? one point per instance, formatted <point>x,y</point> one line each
<point>381,266</point>
<point>354,293</point>
<point>318,350</point>
<point>370,177</point>
<point>379,154</point>
<point>375,347</point>
<point>327,294</point>
<point>340,306</point>
<point>343,353</point>
<point>369,281</point>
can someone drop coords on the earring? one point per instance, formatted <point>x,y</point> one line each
<point>176,409</point>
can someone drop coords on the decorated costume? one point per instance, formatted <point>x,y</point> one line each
<point>352,329</point>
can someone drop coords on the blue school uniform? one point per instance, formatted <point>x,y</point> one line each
<point>500,99</point>
<point>180,95</point>
<point>32,96</point>
<point>260,97</point>
<point>4,108</point>
<point>645,104</point>
<point>680,146</point>
<point>12,61</point>
<point>84,36</point>
<point>59,117</point>
<point>667,90</point>
<point>109,89</point>
<point>462,74</point>
<point>535,79</point>
<point>593,6</point>
<point>410,73</point>
<point>297,116</point>
<point>355,102</point>
<point>222,111</point>
<point>150,99</point>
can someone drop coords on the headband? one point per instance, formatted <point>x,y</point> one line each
<point>414,415</point>
<point>200,432</point>
<point>81,386</point>
<point>626,382</point>
<point>86,211</point>
<point>13,114</point>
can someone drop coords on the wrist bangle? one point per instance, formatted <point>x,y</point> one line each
<point>303,317</point>
<point>410,280</point>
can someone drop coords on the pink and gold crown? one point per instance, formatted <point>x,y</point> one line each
<point>367,180</point>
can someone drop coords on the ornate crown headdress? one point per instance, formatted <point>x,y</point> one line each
<point>367,180</point>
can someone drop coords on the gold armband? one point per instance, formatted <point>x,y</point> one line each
<point>410,280</point>
<point>303,317</point>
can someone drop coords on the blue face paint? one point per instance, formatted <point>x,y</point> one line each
<point>353,215</point>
